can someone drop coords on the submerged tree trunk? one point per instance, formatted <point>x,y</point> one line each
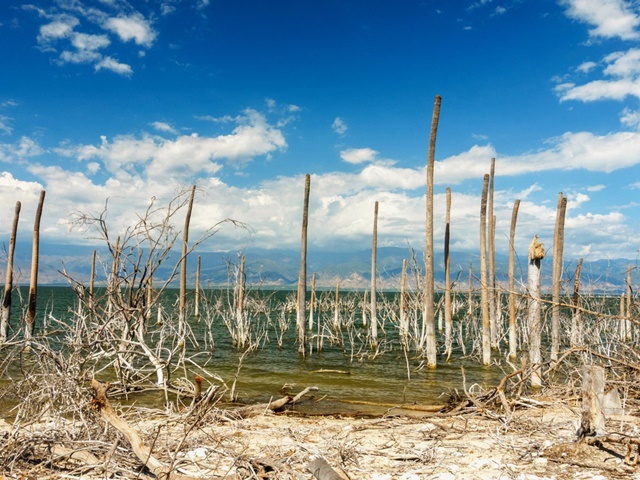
<point>513,334</point>
<point>182,315</point>
<point>33,287</point>
<point>448,325</point>
<point>302,277</point>
<point>536,254</point>
<point>312,301</point>
<point>484,284</point>
<point>429,284</point>
<point>374,251</point>
<point>491,235</point>
<point>556,275</point>
<point>196,300</point>
<point>5,317</point>
<point>403,305</point>
<point>576,316</point>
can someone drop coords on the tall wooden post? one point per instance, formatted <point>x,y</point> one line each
<point>536,254</point>
<point>513,334</point>
<point>484,283</point>
<point>5,317</point>
<point>302,277</point>
<point>491,235</point>
<point>182,314</point>
<point>576,316</point>
<point>448,325</point>
<point>556,275</point>
<point>196,301</point>
<point>33,287</point>
<point>374,252</point>
<point>429,284</point>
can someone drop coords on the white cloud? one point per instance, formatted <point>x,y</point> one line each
<point>609,18</point>
<point>5,125</point>
<point>358,155</point>
<point>62,27</point>
<point>133,27</point>
<point>108,63</point>
<point>586,67</point>
<point>339,126</point>
<point>630,118</point>
<point>163,127</point>
<point>154,156</point>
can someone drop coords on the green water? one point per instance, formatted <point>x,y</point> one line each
<point>360,382</point>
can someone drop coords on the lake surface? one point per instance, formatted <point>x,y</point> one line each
<point>353,381</point>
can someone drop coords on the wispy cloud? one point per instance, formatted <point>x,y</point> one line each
<point>358,155</point>
<point>339,126</point>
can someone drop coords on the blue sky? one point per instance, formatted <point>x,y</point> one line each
<point>133,100</point>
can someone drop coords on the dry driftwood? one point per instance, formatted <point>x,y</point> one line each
<point>273,406</point>
<point>101,403</point>
<point>321,469</point>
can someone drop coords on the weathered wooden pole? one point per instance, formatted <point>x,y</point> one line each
<point>536,254</point>
<point>196,301</point>
<point>628,323</point>
<point>484,282</point>
<point>5,317</point>
<point>33,286</point>
<point>182,314</point>
<point>302,277</point>
<point>312,301</point>
<point>448,325</point>
<point>576,314</point>
<point>513,334</point>
<point>429,284</point>
<point>556,275</point>
<point>374,252</point>
<point>403,305</point>
<point>92,282</point>
<point>491,236</point>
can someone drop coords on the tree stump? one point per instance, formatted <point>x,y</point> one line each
<point>592,417</point>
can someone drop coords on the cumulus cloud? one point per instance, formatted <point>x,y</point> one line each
<point>358,155</point>
<point>163,127</point>
<point>133,27</point>
<point>108,63</point>
<point>156,156</point>
<point>608,18</point>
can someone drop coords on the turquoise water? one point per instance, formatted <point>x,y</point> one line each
<point>354,379</point>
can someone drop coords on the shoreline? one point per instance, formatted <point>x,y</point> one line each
<point>536,442</point>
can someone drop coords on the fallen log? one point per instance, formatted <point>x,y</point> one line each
<point>101,403</point>
<point>273,406</point>
<point>321,469</point>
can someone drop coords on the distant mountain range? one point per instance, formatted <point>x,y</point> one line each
<point>279,268</point>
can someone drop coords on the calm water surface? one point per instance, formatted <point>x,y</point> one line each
<point>359,383</point>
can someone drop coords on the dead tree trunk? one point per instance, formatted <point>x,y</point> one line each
<point>312,301</point>
<point>8,285</point>
<point>33,287</point>
<point>374,251</point>
<point>556,275</point>
<point>536,254</point>
<point>403,305</point>
<point>196,300</point>
<point>92,283</point>
<point>182,315</point>
<point>513,334</point>
<point>429,284</point>
<point>491,235</point>
<point>576,314</point>
<point>484,284</point>
<point>448,326</point>
<point>592,421</point>
<point>627,320</point>
<point>302,277</point>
